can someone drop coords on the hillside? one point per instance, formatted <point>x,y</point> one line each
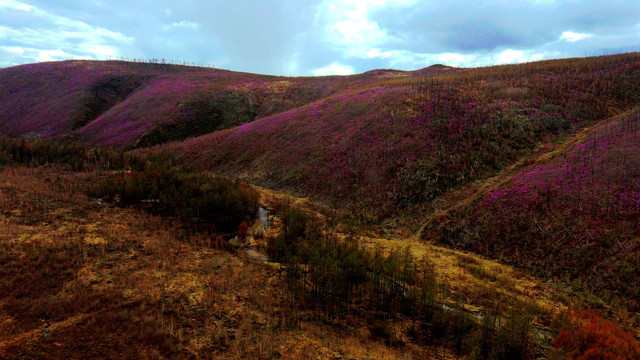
<point>81,280</point>
<point>82,277</point>
<point>379,143</point>
<point>570,213</point>
<point>394,144</point>
<point>399,151</point>
<point>467,213</point>
<point>387,146</point>
<point>122,104</point>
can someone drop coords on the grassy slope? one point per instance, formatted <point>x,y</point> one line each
<point>115,104</point>
<point>387,143</point>
<point>41,99</point>
<point>45,99</point>
<point>395,143</point>
<point>571,212</point>
<point>105,282</point>
<point>116,283</point>
<point>479,282</point>
<point>467,141</point>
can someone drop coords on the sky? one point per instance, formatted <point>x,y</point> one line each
<point>317,37</point>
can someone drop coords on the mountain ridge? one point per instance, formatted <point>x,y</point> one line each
<point>56,99</point>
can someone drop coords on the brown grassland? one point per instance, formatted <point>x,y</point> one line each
<point>80,280</point>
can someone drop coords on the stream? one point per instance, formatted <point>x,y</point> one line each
<point>262,213</point>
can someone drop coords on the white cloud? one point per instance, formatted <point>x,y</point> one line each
<point>99,51</point>
<point>4,32</point>
<point>572,37</point>
<point>511,56</point>
<point>36,55</point>
<point>377,53</point>
<point>17,50</point>
<point>334,69</point>
<point>348,26</point>
<point>409,61</point>
<point>184,24</point>
<point>324,36</point>
<point>52,55</point>
<point>15,5</point>
<point>453,59</point>
<point>347,23</point>
<point>45,36</point>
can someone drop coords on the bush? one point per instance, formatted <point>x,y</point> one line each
<point>195,198</point>
<point>587,336</point>
<point>36,152</point>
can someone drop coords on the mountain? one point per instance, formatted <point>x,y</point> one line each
<point>122,104</point>
<point>469,175</point>
<point>534,164</point>
<point>399,142</point>
<point>398,151</point>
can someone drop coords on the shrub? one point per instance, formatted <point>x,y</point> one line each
<point>587,336</point>
<point>198,199</point>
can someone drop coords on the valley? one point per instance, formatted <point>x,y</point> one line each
<point>480,213</point>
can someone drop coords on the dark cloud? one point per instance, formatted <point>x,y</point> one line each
<point>464,26</point>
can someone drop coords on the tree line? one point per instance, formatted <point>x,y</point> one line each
<point>334,280</point>
<point>157,184</point>
<point>199,200</point>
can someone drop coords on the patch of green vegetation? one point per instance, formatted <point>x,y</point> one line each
<point>197,199</point>
<point>106,93</point>
<point>155,183</point>
<point>201,117</point>
<point>336,278</point>
<point>77,156</point>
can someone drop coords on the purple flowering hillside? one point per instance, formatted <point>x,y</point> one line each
<point>124,104</point>
<point>400,142</point>
<point>575,216</point>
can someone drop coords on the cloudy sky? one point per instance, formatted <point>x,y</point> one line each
<point>316,37</point>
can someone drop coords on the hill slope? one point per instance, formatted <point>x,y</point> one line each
<point>535,165</point>
<point>80,280</point>
<point>396,143</point>
<point>122,104</point>
<point>408,147</point>
<point>384,144</point>
<point>571,213</point>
